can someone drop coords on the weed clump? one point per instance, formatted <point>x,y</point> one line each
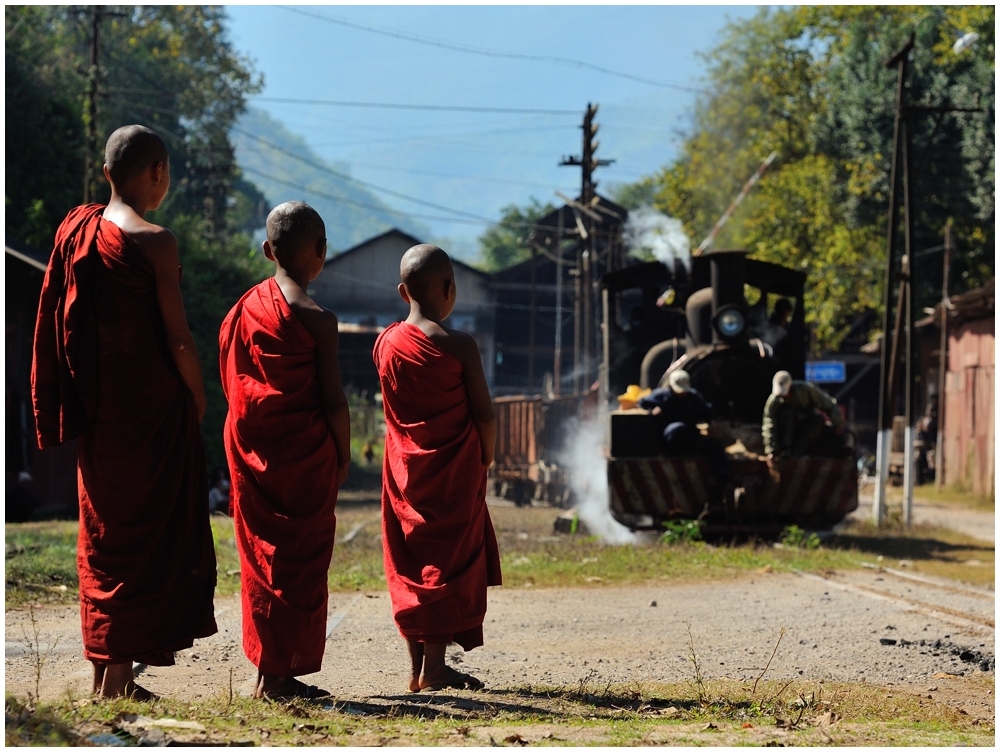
<point>681,531</point>
<point>795,537</point>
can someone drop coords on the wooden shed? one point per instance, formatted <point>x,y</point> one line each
<point>970,388</point>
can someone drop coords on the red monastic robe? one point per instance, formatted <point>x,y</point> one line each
<point>283,462</point>
<point>102,373</point>
<point>439,547</point>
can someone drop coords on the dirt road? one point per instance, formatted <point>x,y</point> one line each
<point>875,626</point>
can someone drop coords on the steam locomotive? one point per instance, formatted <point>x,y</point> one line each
<point>711,320</point>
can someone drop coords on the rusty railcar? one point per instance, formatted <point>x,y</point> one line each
<point>530,432</point>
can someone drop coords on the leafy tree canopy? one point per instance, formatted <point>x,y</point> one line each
<point>173,69</point>
<point>810,83</point>
<point>505,244</point>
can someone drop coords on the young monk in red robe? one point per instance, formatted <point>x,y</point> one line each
<point>115,366</point>
<point>288,441</point>
<point>439,548</point>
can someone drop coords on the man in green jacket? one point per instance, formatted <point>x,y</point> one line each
<point>795,421</point>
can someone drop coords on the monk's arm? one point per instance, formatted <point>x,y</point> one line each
<point>324,326</point>
<point>480,402</point>
<point>161,250</point>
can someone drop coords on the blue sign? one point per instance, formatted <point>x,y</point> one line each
<point>826,372</point>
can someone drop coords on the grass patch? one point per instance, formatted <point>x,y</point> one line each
<point>227,560</point>
<point>40,563</point>
<point>732,713</point>
<point>923,549</point>
<point>41,556</point>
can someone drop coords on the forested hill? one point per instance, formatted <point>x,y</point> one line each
<point>284,167</point>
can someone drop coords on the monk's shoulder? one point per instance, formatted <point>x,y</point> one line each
<point>461,345</point>
<point>319,321</point>
<point>156,243</point>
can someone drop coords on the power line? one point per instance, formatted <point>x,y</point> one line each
<point>434,173</point>
<point>385,210</point>
<point>491,53</point>
<point>473,218</point>
<point>345,176</point>
<point>400,106</point>
<point>468,140</point>
<point>439,135</point>
<point>362,204</point>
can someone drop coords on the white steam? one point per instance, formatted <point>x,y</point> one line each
<point>663,236</point>
<point>583,457</point>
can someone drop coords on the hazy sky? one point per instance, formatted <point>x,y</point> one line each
<point>543,60</point>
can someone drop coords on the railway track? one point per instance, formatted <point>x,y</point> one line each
<point>966,606</point>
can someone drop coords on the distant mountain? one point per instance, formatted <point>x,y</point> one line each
<point>284,167</point>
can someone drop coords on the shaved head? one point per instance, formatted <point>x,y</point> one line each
<point>294,227</point>
<point>132,149</point>
<point>422,266</point>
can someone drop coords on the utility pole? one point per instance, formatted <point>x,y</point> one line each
<point>91,149</point>
<point>90,105</point>
<point>887,400</point>
<point>586,252</point>
<point>531,321</point>
<point>942,363</point>
<point>910,391</point>
<point>883,442</point>
<point>557,359</point>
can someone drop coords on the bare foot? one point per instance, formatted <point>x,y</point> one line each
<point>118,680</point>
<point>286,688</point>
<point>99,669</point>
<point>448,678</point>
<point>140,694</point>
<point>416,664</point>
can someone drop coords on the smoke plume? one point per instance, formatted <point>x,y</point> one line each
<point>583,458</point>
<point>663,236</point>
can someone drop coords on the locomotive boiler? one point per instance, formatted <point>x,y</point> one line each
<point>712,321</point>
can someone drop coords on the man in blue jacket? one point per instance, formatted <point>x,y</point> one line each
<point>682,409</point>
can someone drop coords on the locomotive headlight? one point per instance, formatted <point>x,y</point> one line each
<point>730,322</point>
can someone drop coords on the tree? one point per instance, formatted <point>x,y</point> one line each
<point>168,67</point>
<point>953,176</point>
<point>634,196</point>
<point>216,273</point>
<point>171,68</point>
<point>44,130</point>
<point>811,84</point>
<point>505,244</point>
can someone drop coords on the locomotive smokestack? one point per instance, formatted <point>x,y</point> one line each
<point>727,278</point>
<point>728,274</point>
